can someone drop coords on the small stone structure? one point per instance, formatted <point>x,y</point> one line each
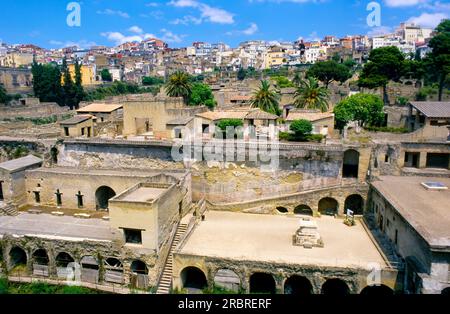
<point>307,235</point>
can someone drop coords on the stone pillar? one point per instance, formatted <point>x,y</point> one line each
<point>423,160</point>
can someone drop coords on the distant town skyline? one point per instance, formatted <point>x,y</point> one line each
<point>181,22</point>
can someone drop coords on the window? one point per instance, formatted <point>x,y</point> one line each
<point>82,131</point>
<point>58,198</point>
<point>396,237</point>
<point>386,158</point>
<point>80,199</point>
<point>133,236</point>
<point>37,196</point>
<point>66,131</point>
<point>1,190</point>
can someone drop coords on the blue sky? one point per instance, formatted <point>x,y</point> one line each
<point>180,22</point>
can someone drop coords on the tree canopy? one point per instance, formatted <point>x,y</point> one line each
<point>329,71</point>
<point>301,128</point>
<point>201,95</point>
<point>366,109</point>
<point>266,99</point>
<point>106,75</point>
<point>179,85</point>
<point>309,95</point>
<point>152,80</point>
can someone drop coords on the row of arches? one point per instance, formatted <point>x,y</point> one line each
<point>329,206</point>
<point>194,280</point>
<point>113,270</point>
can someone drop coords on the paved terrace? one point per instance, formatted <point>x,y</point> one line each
<point>55,227</point>
<point>268,238</point>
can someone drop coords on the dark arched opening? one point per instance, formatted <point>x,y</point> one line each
<point>89,269</point>
<point>262,283</point>
<point>193,279</point>
<point>17,257</point>
<point>335,287</point>
<point>139,267</point>
<point>40,257</point>
<point>113,270</point>
<point>350,167</point>
<point>102,197</point>
<point>328,206</point>
<point>282,210</point>
<point>355,203</point>
<point>380,290</point>
<point>63,259</point>
<point>446,291</point>
<point>298,285</point>
<point>303,210</point>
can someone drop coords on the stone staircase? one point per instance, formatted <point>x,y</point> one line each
<point>165,283</point>
<point>8,210</point>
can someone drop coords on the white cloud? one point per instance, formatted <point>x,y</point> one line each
<point>170,37</point>
<point>403,3</point>
<point>253,28</point>
<point>118,38</point>
<point>152,4</point>
<point>211,14</point>
<point>82,44</point>
<point>380,30</point>
<point>114,12</point>
<point>186,20</point>
<point>428,19</point>
<point>136,29</point>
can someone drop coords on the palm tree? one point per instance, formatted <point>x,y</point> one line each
<point>310,95</point>
<point>266,99</point>
<point>179,85</point>
<point>297,80</point>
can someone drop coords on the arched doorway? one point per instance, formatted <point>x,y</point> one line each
<point>328,206</point>
<point>446,291</point>
<point>193,279</point>
<point>102,197</point>
<point>17,257</point>
<point>64,263</point>
<point>350,166</point>
<point>113,270</point>
<point>298,285</point>
<point>380,290</point>
<point>282,210</point>
<point>90,269</point>
<point>262,283</point>
<point>227,279</point>
<point>335,287</point>
<point>40,263</point>
<point>355,203</point>
<point>303,210</point>
<point>139,275</point>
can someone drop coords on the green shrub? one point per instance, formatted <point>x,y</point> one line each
<point>315,138</point>
<point>3,285</point>
<point>301,128</point>
<point>223,124</point>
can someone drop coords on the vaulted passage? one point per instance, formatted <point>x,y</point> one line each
<point>89,269</point>
<point>303,210</point>
<point>102,197</point>
<point>113,270</point>
<point>335,287</point>
<point>328,206</point>
<point>282,210</point>
<point>63,259</point>
<point>355,203</point>
<point>298,285</point>
<point>350,166</point>
<point>17,257</point>
<point>193,279</point>
<point>139,275</point>
<point>381,290</point>
<point>40,257</point>
<point>227,279</point>
<point>262,283</point>
<point>446,291</point>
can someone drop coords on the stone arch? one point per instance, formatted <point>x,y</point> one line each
<point>282,210</point>
<point>262,283</point>
<point>63,259</point>
<point>328,206</point>
<point>298,285</point>
<point>335,287</point>
<point>303,210</point>
<point>193,279</point>
<point>102,197</point>
<point>227,279</point>
<point>139,274</point>
<point>17,257</point>
<point>40,257</point>
<point>113,270</point>
<point>90,269</point>
<point>350,166</point>
<point>139,267</point>
<point>355,203</point>
<point>380,290</point>
<point>446,291</point>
